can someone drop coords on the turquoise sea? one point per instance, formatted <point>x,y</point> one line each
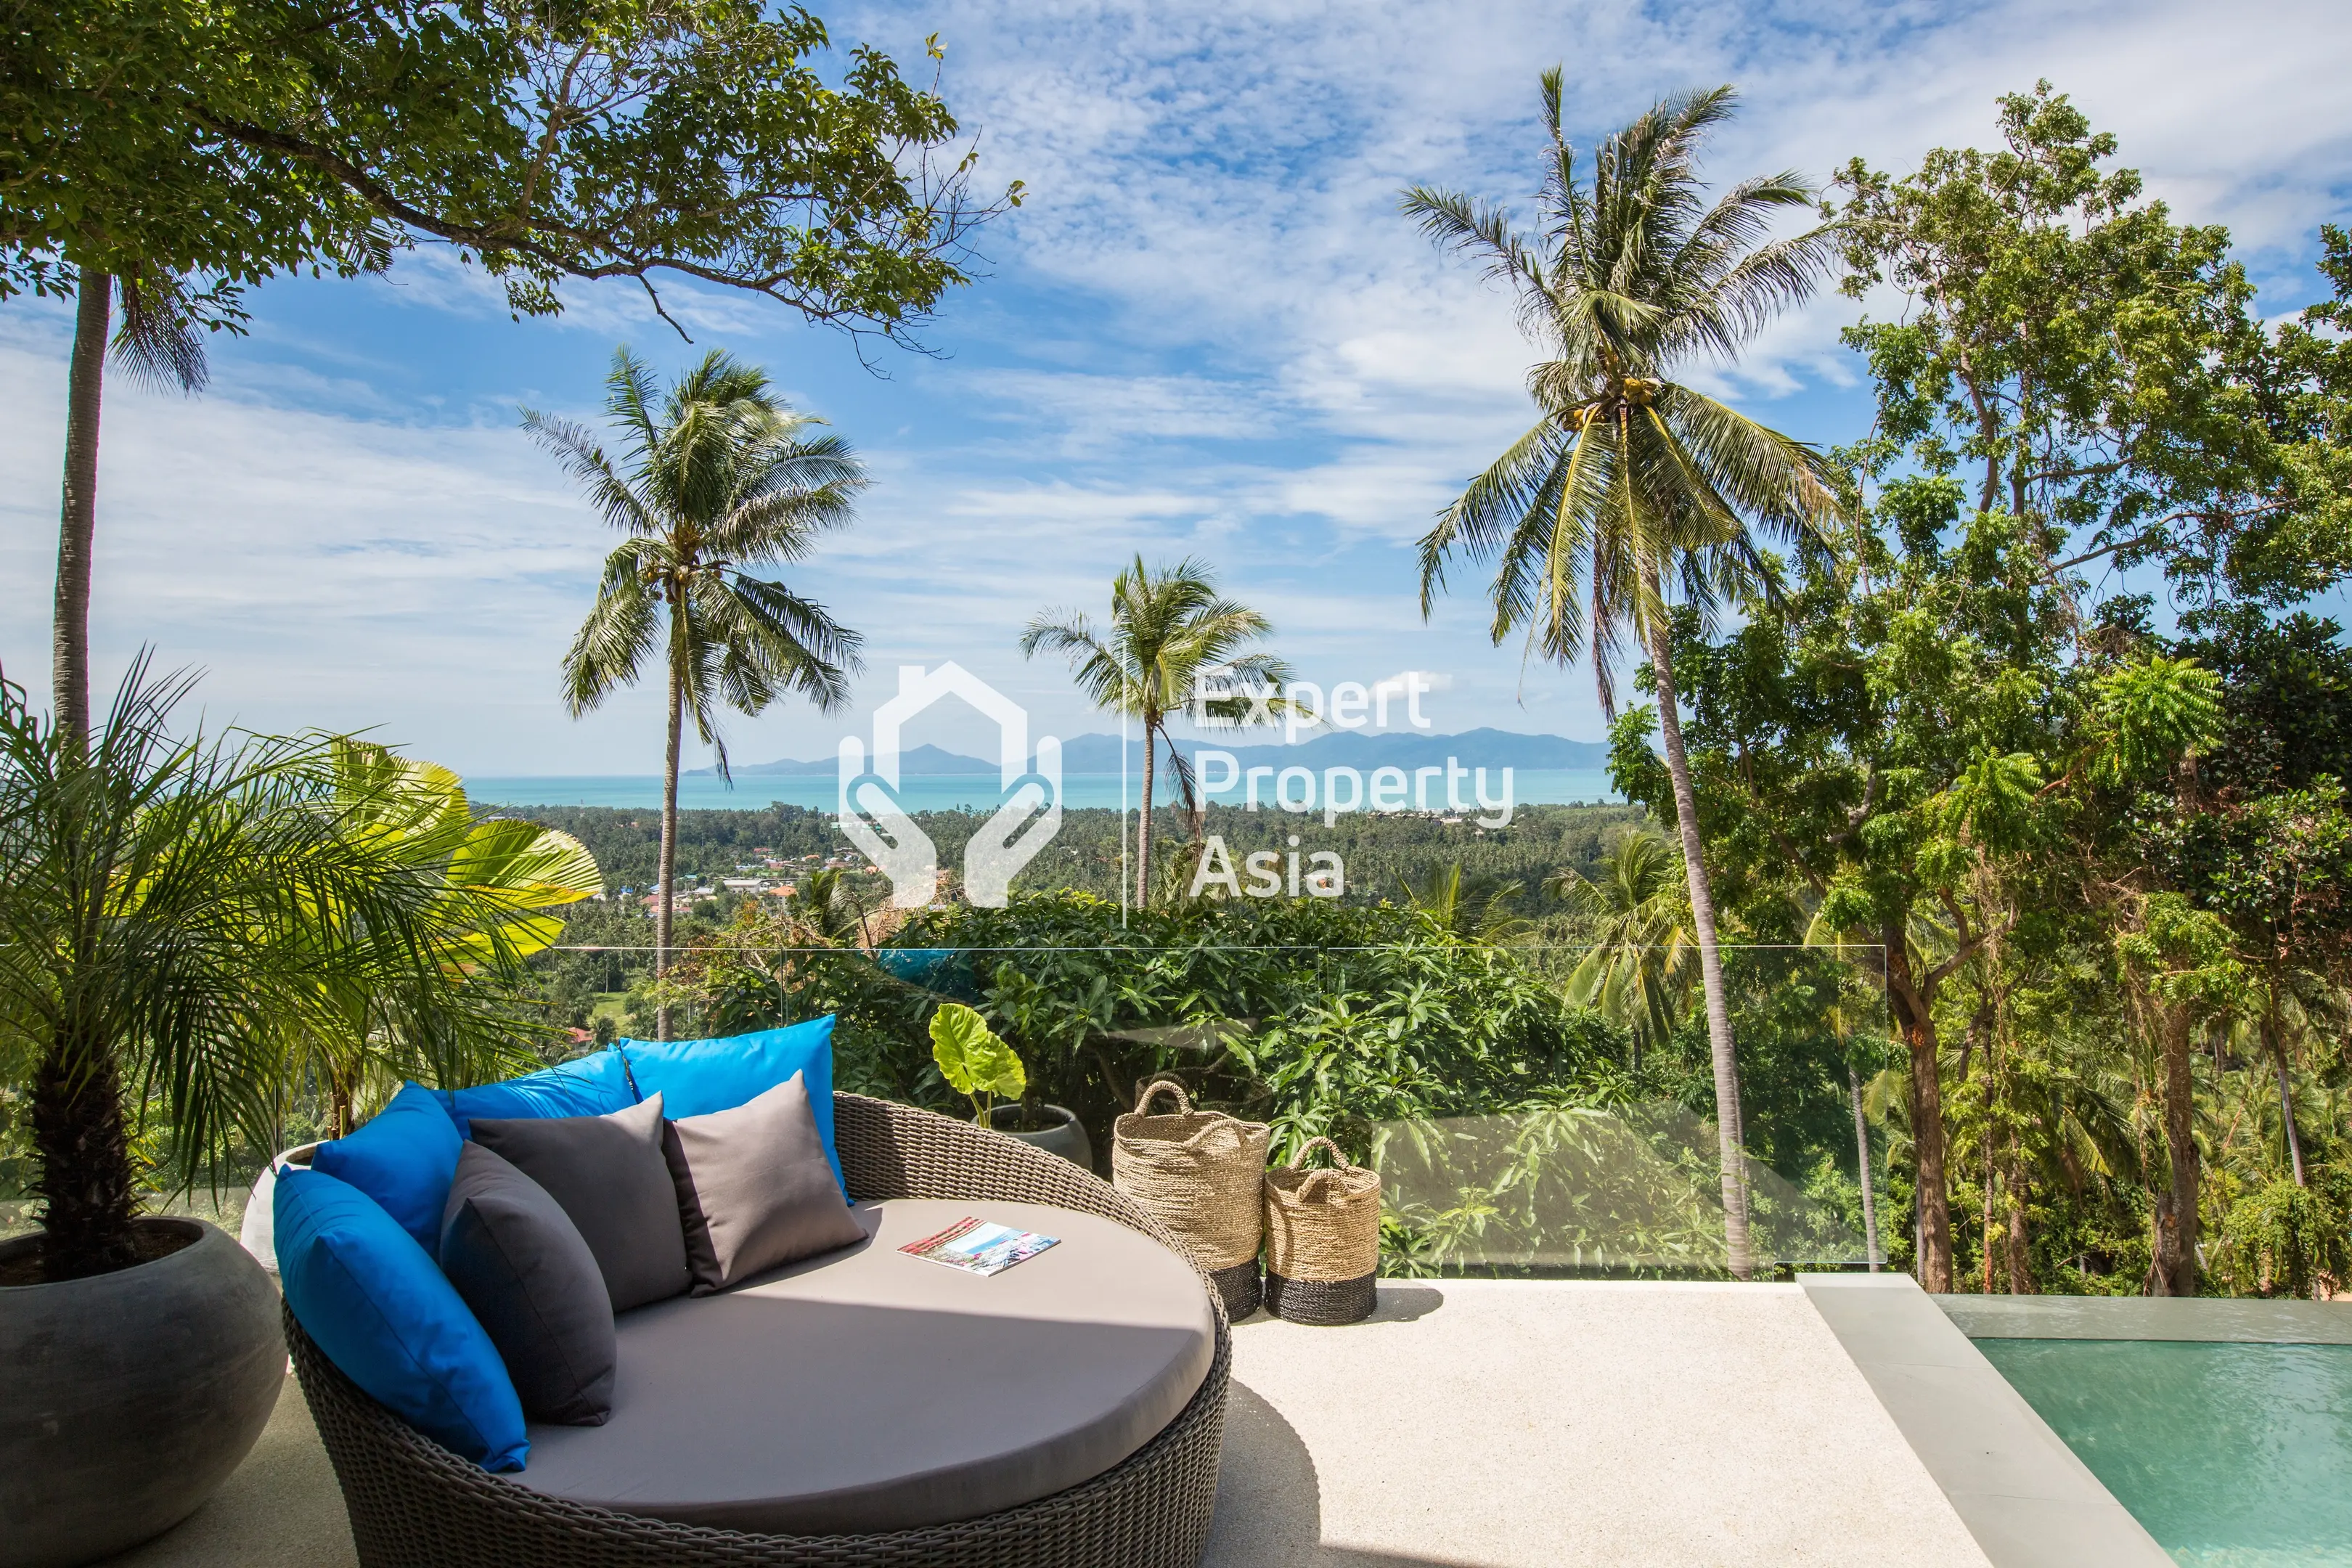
<point>934,792</point>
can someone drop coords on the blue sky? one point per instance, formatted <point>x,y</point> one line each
<point>1207,333</point>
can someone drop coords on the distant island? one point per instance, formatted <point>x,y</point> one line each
<point>1345,749</point>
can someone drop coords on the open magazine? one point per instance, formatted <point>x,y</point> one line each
<point>979,1247</point>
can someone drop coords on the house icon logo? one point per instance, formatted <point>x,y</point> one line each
<point>873,819</point>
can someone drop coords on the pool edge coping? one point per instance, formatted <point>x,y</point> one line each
<point>2027,1497</point>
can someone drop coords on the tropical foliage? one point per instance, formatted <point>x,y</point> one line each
<point>715,476</point>
<point>188,925</point>
<point>1631,482</point>
<point>1174,647</point>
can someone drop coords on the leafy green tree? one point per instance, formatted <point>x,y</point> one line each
<point>176,916</point>
<point>1175,645</point>
<point>1630,480</point>
<point>716,475</point>
<point>2079,358</point>
<point>2183,972</point>
<point>823,910</point>
<point>192,149</point>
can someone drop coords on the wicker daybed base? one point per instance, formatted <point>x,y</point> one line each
<point>414,1504</point>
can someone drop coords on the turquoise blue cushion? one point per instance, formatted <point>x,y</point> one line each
<point>695,1077</point>
<point>381,1309</point>
<point>595,1085</point>
<point>405,1157</point>
<point>944,970</point>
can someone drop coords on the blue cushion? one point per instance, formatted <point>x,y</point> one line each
<point>405,1157</point>
<point>695,1077</point>
<point>384,1313</point>
<point>944,970</point>
<point>595,1085</point>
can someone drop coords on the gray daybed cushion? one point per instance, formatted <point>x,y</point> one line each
<point>608,1172</point>
<point>755,1189</point>
<point>869,1391</point>
<point>520,1263</point>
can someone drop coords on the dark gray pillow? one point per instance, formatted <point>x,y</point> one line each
<point>755,1189</point>
<point>518,1260</point>
<point>609,1175</point>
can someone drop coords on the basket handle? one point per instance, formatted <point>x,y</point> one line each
<point>1318,1183</point>
<point>1310,1147</point>
<point>1150,1090</point>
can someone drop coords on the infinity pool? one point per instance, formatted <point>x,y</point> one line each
<point>2233,1455</point>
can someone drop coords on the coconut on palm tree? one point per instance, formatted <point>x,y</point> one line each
<point>1631,485</point>
<point>1174,645</point>
<point>715,477</point>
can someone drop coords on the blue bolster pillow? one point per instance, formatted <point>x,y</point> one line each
<point>381,1309</point>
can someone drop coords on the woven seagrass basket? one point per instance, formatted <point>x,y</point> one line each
<point>1323,1238</point>
<point>1198,1172</point>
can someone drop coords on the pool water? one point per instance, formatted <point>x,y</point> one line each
<point>2233,1455</point>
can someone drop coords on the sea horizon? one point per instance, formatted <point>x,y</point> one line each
<point>943,792</point>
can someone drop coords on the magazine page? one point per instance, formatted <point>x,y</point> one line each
<point>979,1247</point>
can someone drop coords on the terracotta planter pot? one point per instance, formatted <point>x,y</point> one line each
<point>129,1397</point>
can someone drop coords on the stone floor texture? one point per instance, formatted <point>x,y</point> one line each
<point>1526,1425</point>
<point>1469,1424</point>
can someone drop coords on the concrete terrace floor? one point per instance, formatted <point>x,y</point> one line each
<point>1469,1424</point>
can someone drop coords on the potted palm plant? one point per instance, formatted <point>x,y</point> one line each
<point>182,924</point>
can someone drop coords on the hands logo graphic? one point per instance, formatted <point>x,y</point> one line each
<point>873,820</point>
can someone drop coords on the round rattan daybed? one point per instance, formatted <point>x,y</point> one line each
<point>414,1504</point>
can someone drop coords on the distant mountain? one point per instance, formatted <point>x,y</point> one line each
<point>923,759</point>
<point>1345,749</point>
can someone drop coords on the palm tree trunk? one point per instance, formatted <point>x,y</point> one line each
<point>1143,823</point>
<point>666,885</point>
<point>2175,1253</point>
<point>1861,1163</point>
<point>77,520</point>
<point>1915,1014</point>
<point>1729,1135</point>
<point>83,1151</point>
<point>2286,1085</point>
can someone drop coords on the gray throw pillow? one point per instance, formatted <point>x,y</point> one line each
<point>609,1175</point>
<point>518,1260</point>
<point>755,1189</point>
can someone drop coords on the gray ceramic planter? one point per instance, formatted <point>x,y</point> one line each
<point>129,1397</point>
<point>1063,1135</point>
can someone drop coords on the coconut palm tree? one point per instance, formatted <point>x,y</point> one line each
<point>1642,961</point>
<point>1630,482</point>
<point>716,475</point>
<point>1477,908</point>
<point>1172,639</point>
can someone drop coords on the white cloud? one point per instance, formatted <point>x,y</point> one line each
<point>1210,332</point>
